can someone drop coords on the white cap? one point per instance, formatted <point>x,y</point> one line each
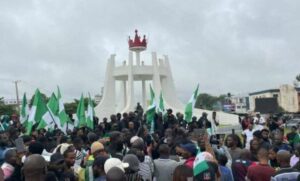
<point>134,138</point>
<point>114,162</point>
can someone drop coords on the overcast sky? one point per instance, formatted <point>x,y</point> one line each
<point>225,46</point>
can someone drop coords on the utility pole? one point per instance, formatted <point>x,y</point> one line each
<point>17,94</point>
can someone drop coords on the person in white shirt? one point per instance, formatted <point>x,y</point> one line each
<point>259,120</point>
<point>248,135</point>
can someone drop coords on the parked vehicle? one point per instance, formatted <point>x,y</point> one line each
<point>292,122</point>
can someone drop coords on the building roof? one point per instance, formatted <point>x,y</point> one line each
<point>264,91</point>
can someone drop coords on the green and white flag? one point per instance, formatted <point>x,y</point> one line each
<point>38,113</point>
<point>190,106</point>
<point>90,114</point>
<point>24,111</point>
<point>161,106</point>
<point>63,117</point>
<point>151,110</point>
<point>50,117</point>
<point>200,164</point>
<point>1,127</point>
<point>80,113</point>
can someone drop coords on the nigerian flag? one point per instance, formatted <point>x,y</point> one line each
<point>161,106</point>
<point>50,116</point>
<point>200,164</point>
<point>24,111</point>
<point>151,110</point>
<point>38,113</point>
<point>62,115</point>
<point>90,114</point>
<point>190,106</point>
<point>80,113</point>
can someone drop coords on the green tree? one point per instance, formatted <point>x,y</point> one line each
<point>298,78</point>
<point>209,102</point>
<point>205,101</point>
<point>71,107</point>
<point>6,109</point>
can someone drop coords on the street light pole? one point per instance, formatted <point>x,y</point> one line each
<point>17,94</point>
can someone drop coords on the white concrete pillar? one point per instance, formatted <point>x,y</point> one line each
<point>156,76</point>
<point>161,62</point>
<point>144,104</point>
<point>130,89</point>
<point>124,92</point>
<point>107,105</point>
<point>137,54</point>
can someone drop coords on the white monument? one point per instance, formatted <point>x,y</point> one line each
<point>159,73</point>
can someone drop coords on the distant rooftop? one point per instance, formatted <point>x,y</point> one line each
<point>264,91</point>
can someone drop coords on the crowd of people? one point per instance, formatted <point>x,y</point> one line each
<point>124,147</point>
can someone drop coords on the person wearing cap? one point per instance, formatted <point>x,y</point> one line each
<point>212,173</point>
<point>34,168</point>
<point>98,168</point>
<point>188,151</point>
<point>97,149</point>
<point>8,167</point>
<point>115,162</point>
<point>131,172</point>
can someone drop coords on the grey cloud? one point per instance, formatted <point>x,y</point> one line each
<point>226,46</point>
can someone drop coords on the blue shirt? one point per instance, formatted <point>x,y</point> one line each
<point>226,174</point>
<point>284,146</point>
<point>2,150</point>
<point>101,178</point>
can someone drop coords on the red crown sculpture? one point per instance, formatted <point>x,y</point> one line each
<point>137,44</point>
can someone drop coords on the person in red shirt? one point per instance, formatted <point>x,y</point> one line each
<point>262,171</point>
<point>188,151</point>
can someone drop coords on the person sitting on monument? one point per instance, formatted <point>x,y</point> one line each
<point>139,109</point>
<point>170,119</point>
<point>203,122</point>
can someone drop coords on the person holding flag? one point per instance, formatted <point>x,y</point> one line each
<point>151,110</point>
<point>190,106</point>
<point>51,115</point>
<point>24,111</point>
<point>80,113</point>
<point>90,114</point>
<point>39,114</point>
<point>161,105</point>
<point>64,120</point>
